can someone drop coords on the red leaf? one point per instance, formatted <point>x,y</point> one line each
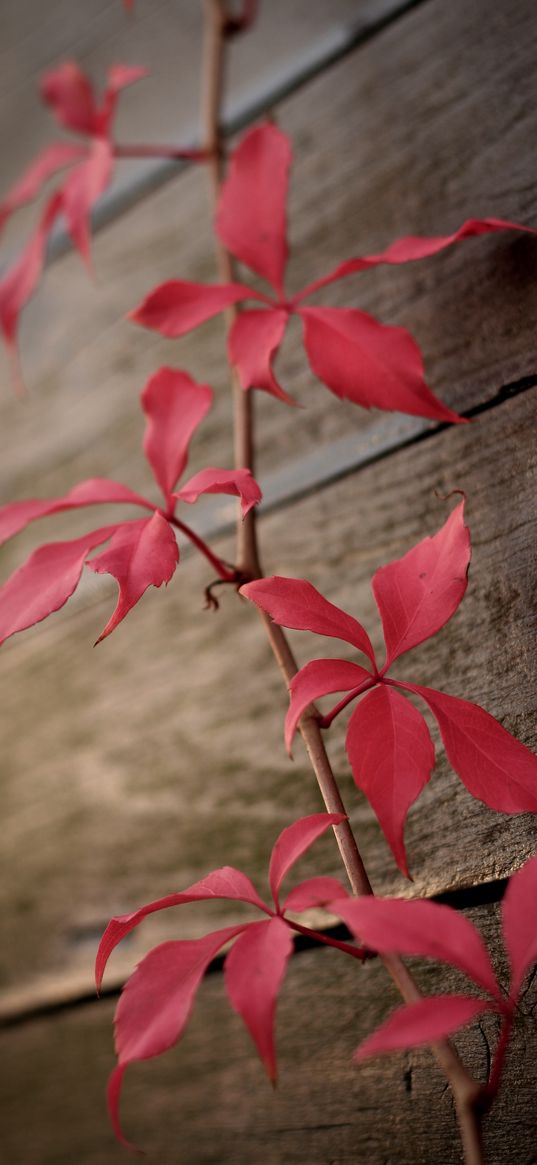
<point>254,972</point>
<point>251,220</point>
<point>369,363</point>
<point>47,163</point>
<point>174,405</point>
<point>423,1022</point>
<point>119,77</point>
<point>253,342</point>
<point>496,768</point>
<point>18,285</point>
<point>393,926</point>
<point>141,554</point>
<point>156,1003</point>
<point>319,678</point>
<point>417,594</point>
<point>95,491</point>
<point>83,186</point>
<point>176,307</point>
<point>238,482</point>
<point>293,842</point>
<point>45,581</point>
<point>519,929</point>
<point>313,892</point>
<point>294,602</point>
<point>413,247</point>
<point>224,883</point>
<point>69,93</point>
<point>391,755</point>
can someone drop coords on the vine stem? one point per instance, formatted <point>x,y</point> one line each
<point>467,1092</point>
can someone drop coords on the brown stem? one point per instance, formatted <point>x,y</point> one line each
<point>216,21</point>
<point>467,1092</point>
<point>153,151</point>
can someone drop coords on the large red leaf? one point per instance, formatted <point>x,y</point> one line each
<point>45,581</point>
<point>319,678</point>
<point>519,929</point>
<point>141,554</point>
<point>417,594</point>
<point>253,342</point>
<point>47,163</point>
<point>251,219</point>
<point>294,602</point>
<point>237,482</point>
<point>174,405</point>
<point>254,972</point>
<point>69,93</point>
<point>423,1022</point>
<point>95,491</point>
<point>393,926</point>
<point>156,1003</point>
<point>496,768</point>
<point>413,247</point>
<point>313,892</point>
<point>293,842</point>
<point>391,755</point>
<point>176,307</point>
<point>224,883</point>
<point>374,365</point>
<point>81,189</point>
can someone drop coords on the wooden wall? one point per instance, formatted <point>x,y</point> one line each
<point>129,771</point>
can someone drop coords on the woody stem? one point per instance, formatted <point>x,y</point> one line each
<point>466,1091</point>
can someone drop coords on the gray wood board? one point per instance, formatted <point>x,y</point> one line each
<point>208,1102</point>
<point>131,770</point>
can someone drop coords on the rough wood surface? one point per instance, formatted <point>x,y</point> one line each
<point>208,1102</point>
<point>135,770</point>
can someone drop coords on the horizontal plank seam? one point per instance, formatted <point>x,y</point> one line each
<point>488,893</point>
<point>321,56</point>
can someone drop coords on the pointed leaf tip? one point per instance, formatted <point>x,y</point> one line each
<point>417,594</point>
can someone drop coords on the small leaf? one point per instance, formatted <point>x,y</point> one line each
<point>19,283</point>
<point>423,1022</point>
<point>69,93</point>
<point>177,307</point>
<point>155,1005</point>
<point>253,342</point>
<point>495,767</point>
<point>174,405</point>
<point>414,247</point>
<point>294,602</point>
<point>251,215</point>
<point>45,581</point>
<point>254,972</point>
<point>237,482</point>
<point>320,678</point>
<point>313,892</point>
<point>224,883</point>
<point>391,755</point>
<point>141,554</point>
<point>119,77</point>
<point>416,595</point>
<point>81,189</point>
<point>293,842</point>
<point>373,365</point>
<point>393,926</point>
<point>47,163</point>
<point>518,919</point>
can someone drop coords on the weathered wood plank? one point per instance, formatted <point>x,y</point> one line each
<point>473,310</point>
<point>165,745</point>
<point>208,1102</point>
